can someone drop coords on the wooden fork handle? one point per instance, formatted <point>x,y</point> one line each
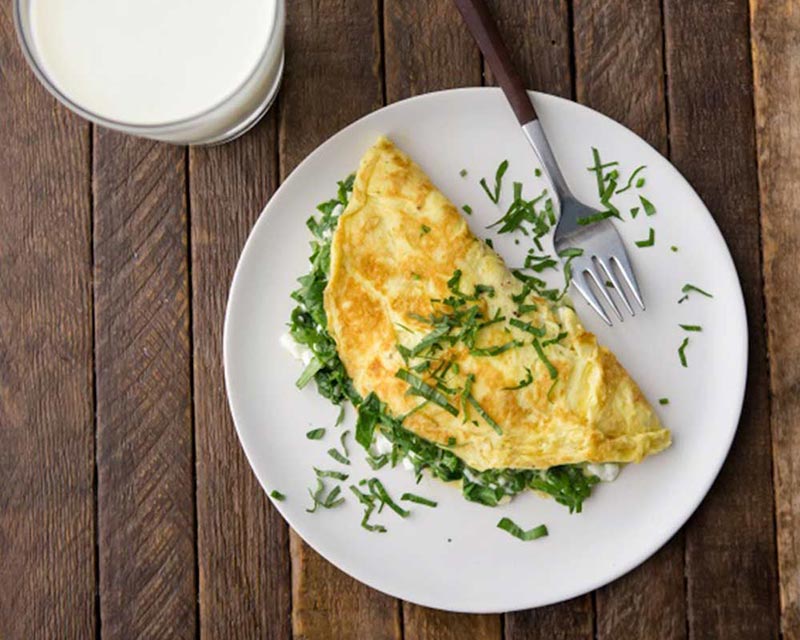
<point>484,30</point>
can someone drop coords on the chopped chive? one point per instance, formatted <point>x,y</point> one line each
<point>482,413</point>
<point>315,434</point>
<point>489,243</point>
<point>571,252</point>
<point>674,249</point>
<point>336,455</point>
<point>378,462</point>
<point>340,417</point>
<point>596,217</point>
<point>451,441</point>
<point>540,352</point>
<point>681,352</point>
<point>555,340</point>
<point>495,350</point>
<point>651,239</point>
<point>634,212</point>
<point>425,228</point>
<point>498,180</point>
<point>315,496</point>
<point>528,327</point>
<point>648,207</point>
<point>410,497</point>
<point>522,383</point>
<point>379,491</point>
<point>463,173</point>
<point>640,183</point>
<point>277,495</point>
<point>630,180</point>
<point>506,524</point>
<point>467,209</point>
<point>325,473</point>
<point>688,288</point>
<point>663,401</point>
<point>312,368</point>
<point>423,389</point>
<point>537,172</point>
<point>691,327</point>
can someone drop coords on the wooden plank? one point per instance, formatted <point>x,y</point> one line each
<point>246,594</point>
<point>776,50</point>
<point>47,558</point>
<point>327,86</point>
<point>143,370</point>
<point>538,36</point>
<point>730,547</point>
<point>612,52</point>
<point>448,59</point>
<point>427,48</point>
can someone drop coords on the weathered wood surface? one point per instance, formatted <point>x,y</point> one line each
<point>776,69</point>
<point>145,477</point>
<point>115,260</point>
<point>47,503</point>
<point>731,574</point>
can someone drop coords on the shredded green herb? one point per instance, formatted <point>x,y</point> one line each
<point>421,388</point>
<point>495,350</point>
<point>682,352</point>
<point>506,524</point>
<point>379,491</point>
<point>315,434</point>
<point>689,288</point>
<point>410,497</point>
<point>691,327</point>
<point>549,365</point>
<point>467,209</point>
<point>663,401</point>
<point>277,495</point>
<point>336,475</point>
<point>647,206</point>
<point>630,180</point>
<point>498,181</point>
<point>463,173</point>
<point>522,383</point>
<point>651,239</point>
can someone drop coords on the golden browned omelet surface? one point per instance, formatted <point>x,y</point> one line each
<point>396,246</point>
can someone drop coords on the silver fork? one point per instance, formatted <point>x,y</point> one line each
<point>603,258</point>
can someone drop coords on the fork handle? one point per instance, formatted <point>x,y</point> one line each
<point>484,30</point>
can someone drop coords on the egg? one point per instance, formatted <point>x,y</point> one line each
<point>509,383</point>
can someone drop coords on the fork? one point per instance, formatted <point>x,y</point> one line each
<point>603,258</point>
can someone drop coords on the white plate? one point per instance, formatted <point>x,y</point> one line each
<point>453,557</point>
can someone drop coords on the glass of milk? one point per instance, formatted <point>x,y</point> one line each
<point>182,71</point>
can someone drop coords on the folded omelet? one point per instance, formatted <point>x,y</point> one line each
<point>428,318</point>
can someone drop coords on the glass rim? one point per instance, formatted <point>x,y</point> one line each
<point>140,129</point>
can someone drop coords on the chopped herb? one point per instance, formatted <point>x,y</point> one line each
<point>429,340</point>
<point>506,524</point>
<point>522,383</point>
<point>336,475</point>
<point>410,497</point>
<point>682,352</point>
<point>597,169</point>
<point>489,243</point>
<point>674,249</point>
<point>663,401</point>
<point>537,172</point>
<point>451,441</point>
<point>336,455</point>
<point>463,173</point>
<point>414,276</point>
<point>566,484</point>
<point>467,209</point>
<point>315,434</point>
<point>379,491</point>
<point>595,217</point>
<point>540,352</point>
<point>648,207</point>
<point>555,340</point>
<point>369,503</point>
<point>688,288</point>
<point>651,239</point>
<point>495,350</point>
<point>487,418</point>
<point>634,212</point>
<point>377,462</point>
<point>498,180</point>
<point>570,252</point>
<point>423,389</point>
<point>425,228</point>
<point>326,502</point>
<point>369,413</point>
<point>528,327</point>
<point>277,495</point>
<point>630,180</point>
<point>691,327</point>
<point>640,183</point>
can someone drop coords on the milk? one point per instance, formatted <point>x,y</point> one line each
<point>154,63</point>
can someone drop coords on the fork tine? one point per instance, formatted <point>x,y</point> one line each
<point>624,266</point>
<point>601,287</point>
<point>612,277</point>
<point>579,281</point>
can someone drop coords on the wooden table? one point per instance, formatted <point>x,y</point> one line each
<point>127,509</point>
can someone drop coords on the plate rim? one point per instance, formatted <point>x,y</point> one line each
<point>342,563</point>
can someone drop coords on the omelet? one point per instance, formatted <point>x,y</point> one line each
<point>428,318</point>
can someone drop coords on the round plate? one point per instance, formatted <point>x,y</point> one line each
<point>453,557</point>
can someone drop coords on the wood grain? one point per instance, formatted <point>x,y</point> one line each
<point>730,546</point>
<point>246,593</point>
<point>449,59</point>
<point>47,558</point>
<point>327,86</point>
<point>143,370</point>
<point>612,51</point>
<point>570,620</point>
<point>776,51</point>
<point>427,48</point>
<point>538,34</point>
